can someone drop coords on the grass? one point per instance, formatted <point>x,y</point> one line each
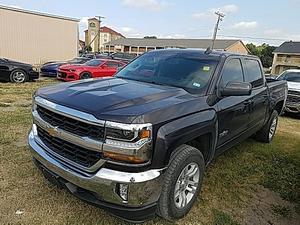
<point>281,210</point>
<point>231,182</point>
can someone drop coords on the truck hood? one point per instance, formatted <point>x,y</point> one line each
<point>123,100</point>
<point>294,86</point>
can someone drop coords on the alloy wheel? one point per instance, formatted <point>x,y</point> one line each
<point>19,77</point>
<point>186,185</point>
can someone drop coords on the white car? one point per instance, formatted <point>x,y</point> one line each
<point>293,98</point>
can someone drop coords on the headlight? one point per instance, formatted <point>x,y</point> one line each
<point>129,143</point>
<point>34,69</point>
<point>72,70</point>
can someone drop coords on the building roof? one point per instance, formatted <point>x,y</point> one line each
<point>180,43</point>
<point>289,47</point>
<point>38,13</point>
<point>109,30</point>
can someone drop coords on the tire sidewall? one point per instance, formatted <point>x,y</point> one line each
<point>15,71</point>
<point>273,116</point>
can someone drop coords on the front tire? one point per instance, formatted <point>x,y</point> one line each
<point>18,76</point>
<point>182,183</point>
<point>85,75</point>
<point>267,132</point>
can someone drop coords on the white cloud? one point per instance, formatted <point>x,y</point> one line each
<point>176,36</point>
<point>16,6</point>
<point>210,13</point>
<point>127,29</point>
<point>155,5</point>
<point>83,25</point>
<point>245,25</point>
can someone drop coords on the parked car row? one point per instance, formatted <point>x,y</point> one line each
<point>86,66</point>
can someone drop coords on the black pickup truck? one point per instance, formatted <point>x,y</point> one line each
<point>138,144</point>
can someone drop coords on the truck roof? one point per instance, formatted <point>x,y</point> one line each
<point>202,52</point>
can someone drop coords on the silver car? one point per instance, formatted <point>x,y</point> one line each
<point>293,98</point>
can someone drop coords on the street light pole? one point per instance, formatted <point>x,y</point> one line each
<point>99,19</point>
<point>220,18</point>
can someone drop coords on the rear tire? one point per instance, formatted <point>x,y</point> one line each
<point>85,75</point>
<point>267,132</point>
<point>182,183</point>
<point>18,76</point>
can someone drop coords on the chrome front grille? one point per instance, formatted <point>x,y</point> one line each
<point>293,97</point>
<point>71,125</point>
<point>75,153</point>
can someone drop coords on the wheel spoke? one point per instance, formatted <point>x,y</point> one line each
<point>192,171</point>
<point>193,183</point>
<point>184,199</point>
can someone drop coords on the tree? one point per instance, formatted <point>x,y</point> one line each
<point>150,37</point>
<point>264,52</point>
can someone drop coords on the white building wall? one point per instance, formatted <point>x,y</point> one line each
<point>36,38</point>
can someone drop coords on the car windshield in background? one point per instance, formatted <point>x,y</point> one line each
<point>94,62</point>
<point>290,76</point>
<point>186,71</point>
<point>77,60</point>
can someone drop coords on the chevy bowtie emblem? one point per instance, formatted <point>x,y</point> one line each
<point>52,131</point>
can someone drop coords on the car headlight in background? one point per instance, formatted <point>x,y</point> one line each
<point>130,143</point>
<point>34,69</point>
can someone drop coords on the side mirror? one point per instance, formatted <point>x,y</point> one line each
<point>236,88</point>
<point>104,66</point>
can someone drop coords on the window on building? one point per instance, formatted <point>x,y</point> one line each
<point>253,73</point>
<point>92,24</point>
<point>232,72</point>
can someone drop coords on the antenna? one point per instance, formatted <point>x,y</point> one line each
<point>208,51</point>
<point>220,18</point>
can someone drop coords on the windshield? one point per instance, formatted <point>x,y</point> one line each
<point>186,71</point>
<point>76,60</point>
<point>94,62</point>
<point>290,76</point>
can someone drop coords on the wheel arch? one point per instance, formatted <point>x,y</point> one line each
<point>198,130</point>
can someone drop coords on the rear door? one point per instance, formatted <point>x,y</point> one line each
<point>233,111</point>
<point>259,97</point>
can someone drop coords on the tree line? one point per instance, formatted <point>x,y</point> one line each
<point>264,52</point>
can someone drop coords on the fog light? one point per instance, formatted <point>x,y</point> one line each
<point>122,191</point>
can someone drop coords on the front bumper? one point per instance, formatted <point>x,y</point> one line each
<point>33,75</point>
<point>99,188</point>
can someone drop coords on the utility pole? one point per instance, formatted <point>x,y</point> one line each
<point>99,19</point>
<point>220,18</point>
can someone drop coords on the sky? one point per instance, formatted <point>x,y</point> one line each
<point>255,21</point>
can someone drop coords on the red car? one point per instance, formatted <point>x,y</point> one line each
<point>90,69</point>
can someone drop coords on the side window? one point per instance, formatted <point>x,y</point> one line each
<point>111,64</point>
<point>232,72</point>
<point>253,72</point>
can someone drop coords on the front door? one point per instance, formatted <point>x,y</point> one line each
<point>233,111</point>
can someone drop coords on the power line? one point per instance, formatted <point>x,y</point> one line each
<point>256,38</point>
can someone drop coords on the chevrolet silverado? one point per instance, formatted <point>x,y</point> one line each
<point>138,144</point>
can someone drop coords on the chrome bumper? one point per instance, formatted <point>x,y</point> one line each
<point>144,188</point>
<point>292,107</point>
